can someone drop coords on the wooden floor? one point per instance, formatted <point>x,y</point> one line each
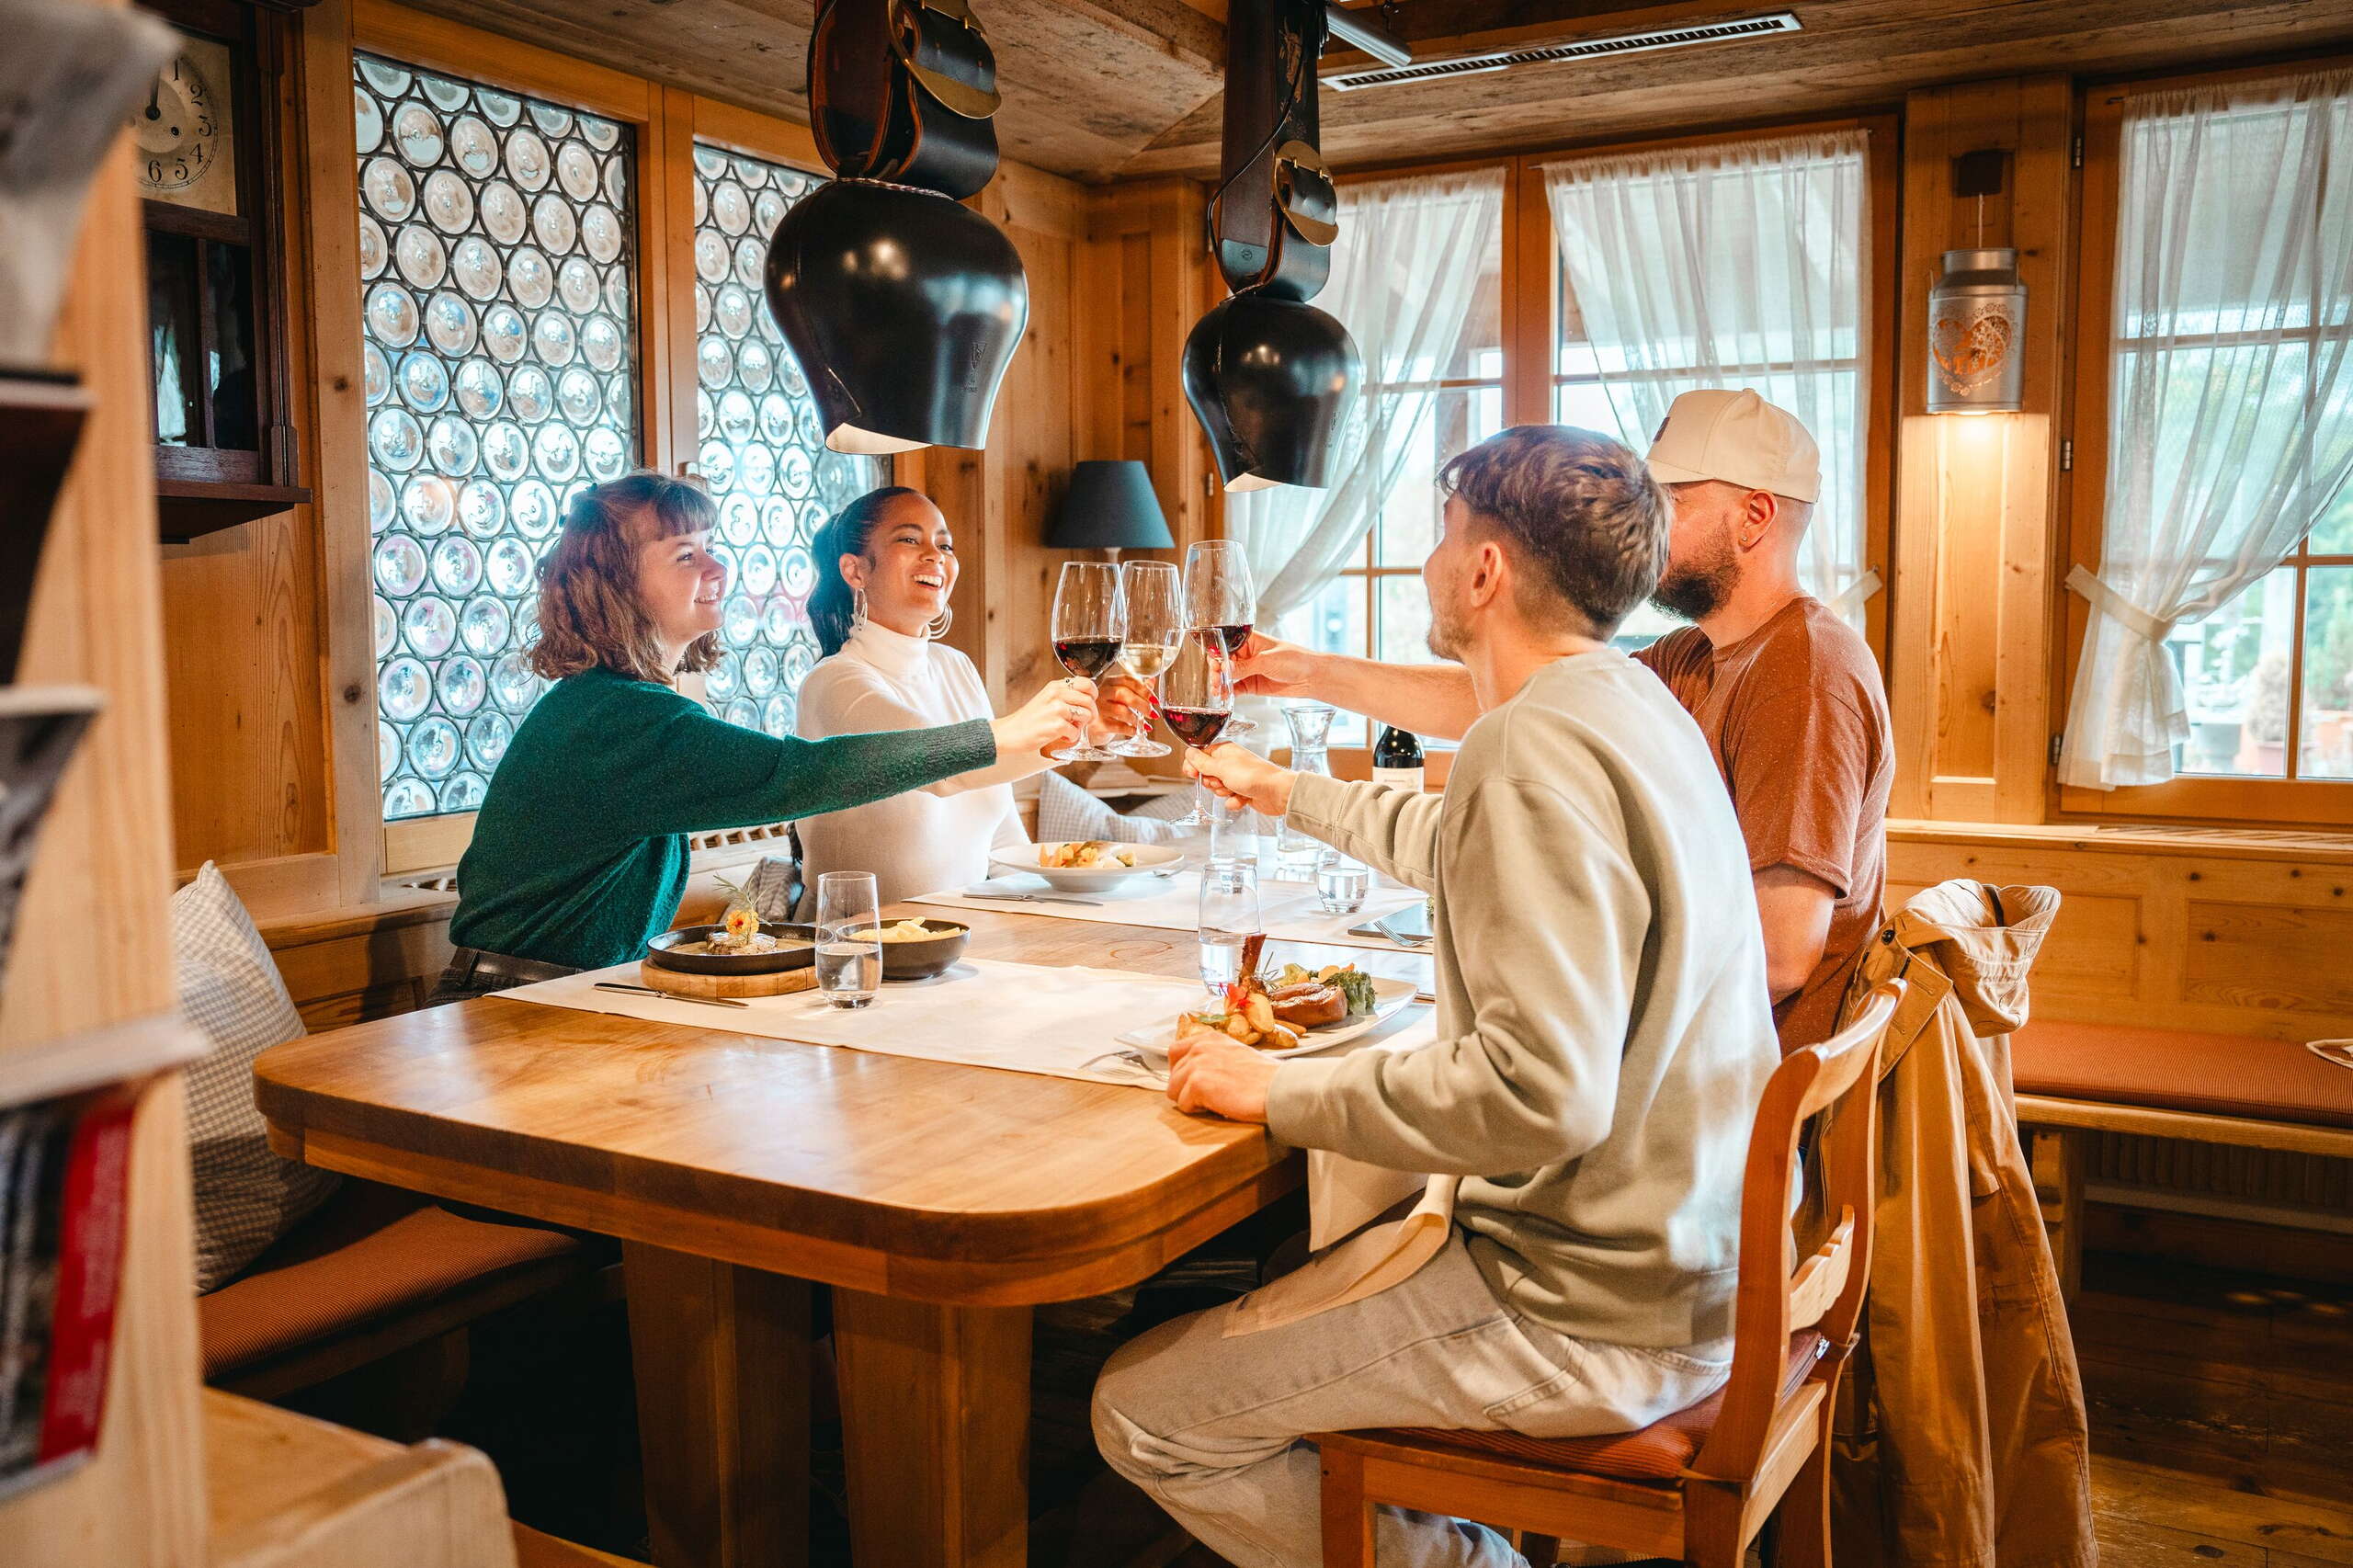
<point>2221,1413</point>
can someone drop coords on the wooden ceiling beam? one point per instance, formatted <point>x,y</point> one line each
<point>1853,54</point>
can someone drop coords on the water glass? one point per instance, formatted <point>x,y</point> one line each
<point>1341,886</point>
<point>850,960</point>
<point>1229,918</point>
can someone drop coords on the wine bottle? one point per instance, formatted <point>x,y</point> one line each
<point>1397,760</point>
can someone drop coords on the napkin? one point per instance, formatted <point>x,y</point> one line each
<point>1365,1265</point>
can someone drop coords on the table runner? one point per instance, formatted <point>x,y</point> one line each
<point>1055,1020</point>
<point>1287,910</point>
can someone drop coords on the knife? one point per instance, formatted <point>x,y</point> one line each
<point>1038,898</point>
<point>669,995</point>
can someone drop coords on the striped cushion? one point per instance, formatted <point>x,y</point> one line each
<point>372,1255</point>
<point>1661,1451</point>
<point>229,987</point>
<point>1067,814</point>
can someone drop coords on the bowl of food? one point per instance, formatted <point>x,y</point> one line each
<point>917,949</point>
<point>1078,865</point>
<point>736,948</point>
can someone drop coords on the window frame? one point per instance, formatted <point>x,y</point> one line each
<point>1530,289</point>
<point>2199,798</point>
<point>666,123</point>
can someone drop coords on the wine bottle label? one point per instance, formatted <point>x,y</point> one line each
<point>1399,777</point>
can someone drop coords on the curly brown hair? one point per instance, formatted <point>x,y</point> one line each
<point>589,614</point>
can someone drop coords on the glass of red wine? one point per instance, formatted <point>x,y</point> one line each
<point>1196,702</point>
<point>1221,599</point>
<point>1090,618</point>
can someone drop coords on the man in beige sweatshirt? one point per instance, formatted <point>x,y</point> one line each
<point>1603,1037</point>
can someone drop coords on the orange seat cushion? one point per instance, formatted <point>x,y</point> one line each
<point>1659,1452</point>
<point>2213,1075</point>
<point>370,1254</point>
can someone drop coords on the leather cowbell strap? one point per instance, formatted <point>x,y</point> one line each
<point>1277,211</point>
<point>902,91</point>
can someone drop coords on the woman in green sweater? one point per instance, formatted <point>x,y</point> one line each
<point>579,853</point>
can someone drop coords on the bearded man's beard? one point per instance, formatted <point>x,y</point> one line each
<point>1696,590</point>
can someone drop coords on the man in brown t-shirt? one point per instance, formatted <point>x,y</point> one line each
<point>1786,694</point>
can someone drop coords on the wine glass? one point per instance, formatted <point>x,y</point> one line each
<point>1090,617</point>
<point>1156,599</point>
<point>1196,702</point>
<point>1221,599</point>
<point>849,939</point>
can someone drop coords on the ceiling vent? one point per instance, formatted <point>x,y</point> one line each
<point>1584,49</point>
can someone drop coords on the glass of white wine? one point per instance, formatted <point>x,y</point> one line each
<point>1156,596</point>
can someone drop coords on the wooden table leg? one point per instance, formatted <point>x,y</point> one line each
<point>935,1423</point>
<point>720,1359</point>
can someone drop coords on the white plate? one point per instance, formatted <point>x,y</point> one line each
<point>1388,997</point>
<point>1150,858</point>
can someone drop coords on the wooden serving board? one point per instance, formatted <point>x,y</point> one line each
<point>732,987</point>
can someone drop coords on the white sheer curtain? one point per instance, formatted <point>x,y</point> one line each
<point>1403,273</point>
<point>2230,394</point>
<point>1739,265</point>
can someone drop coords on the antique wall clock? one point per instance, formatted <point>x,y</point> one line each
<point>207,162</point>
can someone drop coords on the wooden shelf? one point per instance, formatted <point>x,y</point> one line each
<point>41,424</point>
<point>289,1492</point>
<point>187,509</point>
<point>66,1066</point>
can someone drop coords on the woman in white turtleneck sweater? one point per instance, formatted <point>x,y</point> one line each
<point>886,564</point>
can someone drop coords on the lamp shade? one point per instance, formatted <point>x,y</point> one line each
<point>1977,334</point>
<point>1109,506</point>
<point>904,308</point>
<point>1271,380</point>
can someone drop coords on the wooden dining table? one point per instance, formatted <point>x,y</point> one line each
<point>941,1202</point>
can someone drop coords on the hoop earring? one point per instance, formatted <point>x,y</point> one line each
<point>936,629</point>
<point>857,610</point>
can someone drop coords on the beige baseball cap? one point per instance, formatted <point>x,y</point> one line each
<point>1740,438</point>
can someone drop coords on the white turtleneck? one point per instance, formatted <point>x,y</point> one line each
<point>928,839</point>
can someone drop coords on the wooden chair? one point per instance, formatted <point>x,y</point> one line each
<point>1697,1485</point>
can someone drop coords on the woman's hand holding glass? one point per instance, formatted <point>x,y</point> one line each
<point>1057,717</point>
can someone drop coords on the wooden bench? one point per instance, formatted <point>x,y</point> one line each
<point>378,1273</point>
<point>2076,1079</point>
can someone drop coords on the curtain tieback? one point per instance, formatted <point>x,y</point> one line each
<point>2117,608</point>
<point>1852,598</point>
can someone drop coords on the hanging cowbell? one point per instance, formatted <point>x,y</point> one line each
<point>1271,377</point>
<point>1271,380</point>
<point>903,306</point>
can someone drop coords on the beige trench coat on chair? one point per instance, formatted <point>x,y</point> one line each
<point>1962,1440</point>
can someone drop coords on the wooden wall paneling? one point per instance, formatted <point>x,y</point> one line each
<point>1976,497</point>
<point>1532,295</point>
<point>665,283</point>
<point>325,256</point>
<point>2194,937</point>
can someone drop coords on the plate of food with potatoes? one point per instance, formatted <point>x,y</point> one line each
<point>1081,865</point>
<point>1291,1012</point>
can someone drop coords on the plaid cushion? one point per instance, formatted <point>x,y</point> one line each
<point>245,1195</point>
<point>1068,814</point>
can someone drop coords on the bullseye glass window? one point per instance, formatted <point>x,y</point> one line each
<point>762,448</point>
<point>496,273</point>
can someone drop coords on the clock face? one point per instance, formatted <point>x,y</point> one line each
<point>185,134</point>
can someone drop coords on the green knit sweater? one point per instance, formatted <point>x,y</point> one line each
<point>580,853</point>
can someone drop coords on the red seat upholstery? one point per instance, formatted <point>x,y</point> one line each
<point>370,1254</point>
<point>2212,1075</point>
<point>1659,1452</point>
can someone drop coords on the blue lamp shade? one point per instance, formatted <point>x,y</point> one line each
<point>1109,506</point>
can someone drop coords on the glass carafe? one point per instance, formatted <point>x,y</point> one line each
<point>1311,727</point>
